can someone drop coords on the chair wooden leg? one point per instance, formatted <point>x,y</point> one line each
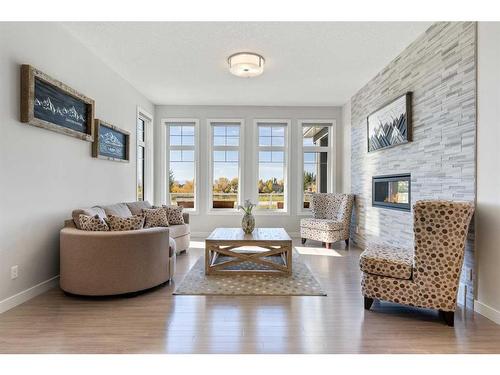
<point>347,243</point>
<point>303,240</point>
<point>448,317</point>
<point>368,303</point>
<point>328,245</point>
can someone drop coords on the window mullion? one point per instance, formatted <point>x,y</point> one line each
<point>271,148</point>
<point>180,148</point>
<point>226,148</point>
<point>315,149</point>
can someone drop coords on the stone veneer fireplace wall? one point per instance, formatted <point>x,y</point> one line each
<point>440,69</point>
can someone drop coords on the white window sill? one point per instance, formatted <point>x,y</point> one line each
<point>304,213</point>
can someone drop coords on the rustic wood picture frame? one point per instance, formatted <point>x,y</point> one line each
<point>96,143</point>
<point>29,75</point>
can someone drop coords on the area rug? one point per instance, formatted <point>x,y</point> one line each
<point>300,283</point>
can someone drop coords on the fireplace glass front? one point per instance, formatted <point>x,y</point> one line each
<point>392,192</point>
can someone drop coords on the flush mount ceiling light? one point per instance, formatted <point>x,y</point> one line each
<point>246,64</point>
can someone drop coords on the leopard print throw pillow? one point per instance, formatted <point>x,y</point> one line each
<point>174,215</point>
<point>93,223</point>
<point>155,217</point>
<point>117,223</point>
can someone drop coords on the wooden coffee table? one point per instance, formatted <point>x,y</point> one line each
<point>227,243</point>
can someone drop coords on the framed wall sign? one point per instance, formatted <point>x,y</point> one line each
<point>111,142</point>
<point>50,104</point>
<point>391,124</point>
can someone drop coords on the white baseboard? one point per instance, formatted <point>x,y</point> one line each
<point>28,294</point>
<point>487,311</point>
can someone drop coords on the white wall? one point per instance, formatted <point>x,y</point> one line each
<point>488,172</point>
<point>346,148</point>
<point>202,223</point>
<point>44,175</point>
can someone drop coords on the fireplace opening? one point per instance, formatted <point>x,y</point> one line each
<point>392,191</point>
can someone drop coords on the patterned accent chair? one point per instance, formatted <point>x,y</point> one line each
<point>428,275</point>
<point>331,219</point>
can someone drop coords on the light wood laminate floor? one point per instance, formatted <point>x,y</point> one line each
<point>158,322</point>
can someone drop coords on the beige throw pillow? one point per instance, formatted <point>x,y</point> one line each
<point>93,223</point>
<point>174,215</point>
<point>155,217</point>
<point>117,223</point>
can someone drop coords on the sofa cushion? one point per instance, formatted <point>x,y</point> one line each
<point>385,260</point>
<point>89,211</point>
<point>155,217</point>
<point>93,223</point>
<point>137,207</point>
<point>118,209</point>
<point>117,223</point>
<point>174,215</point>
<point>178,230</point>
<point>321,224</point>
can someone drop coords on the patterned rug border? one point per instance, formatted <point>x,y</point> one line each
<point>316,292</point>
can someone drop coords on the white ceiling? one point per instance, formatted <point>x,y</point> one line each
<point>307,63</point>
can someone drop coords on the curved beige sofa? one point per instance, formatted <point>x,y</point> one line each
<point>117,262</point>
<point>109,263</point>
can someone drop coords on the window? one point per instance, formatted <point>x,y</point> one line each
<point>181,163</point>
<point>316,168</point>
<point>272,144</point>
<point>144,155</point>
<point>225,161</point>
<point>141,157</point>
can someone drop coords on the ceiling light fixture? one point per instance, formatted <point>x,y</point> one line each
<point>246,64</point>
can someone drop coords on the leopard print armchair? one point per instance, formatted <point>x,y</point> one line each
<point>427,276</point>
<point>331,219</point>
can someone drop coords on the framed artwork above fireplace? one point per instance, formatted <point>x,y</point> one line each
<point>391,124</point>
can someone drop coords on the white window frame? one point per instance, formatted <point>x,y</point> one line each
<point>331,160</point>
<point>165,157</point>
<point>255,194</point>
<point>148,193</point>
<point>241,162</point>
